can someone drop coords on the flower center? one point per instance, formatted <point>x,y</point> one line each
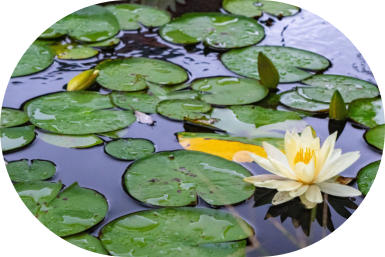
<point>304,155</point>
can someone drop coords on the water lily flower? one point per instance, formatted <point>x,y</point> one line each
<point>304,169</point>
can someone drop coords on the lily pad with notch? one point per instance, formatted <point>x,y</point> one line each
<point>139,101</point>
<point>12,117</point>
<point>73,211</point>
<point>260,116</point>
<point>256,8</point>
<point>322,87</point>
<point>132,16</point>
<point>30,171</point>
<point>133,74</point>
<point>87,242</point>
<point>177,178</point>
<point>292,64</point>
<point>367,112</point>
<point>194,232</point>
<point>17,137</point>
<point>38,57</point>
<point>366,176</point>
<point>216,30</point>
<point>91,24</point>
<point>375,137</point>
<point>77,113</point>
<point>229,90</point>
<point>129,148</point>
<point>181,109</point>
<point>293,100</point>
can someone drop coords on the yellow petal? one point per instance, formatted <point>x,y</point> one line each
<point>261,178</point>
<point>281,197</point>
<point>307,203</point>
<point>299,191</point>
<point>337,189</point>
<point>223,148</point>
<point>274,152</point>
<point>307,134</point>
<point>267,165</point>
<point>83,80</point>
<point>303,172</point>
<point>313,194</point>
<point>283,168</point>
<point>326,149</point>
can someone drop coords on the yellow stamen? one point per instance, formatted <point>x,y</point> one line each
<point>304,156</point>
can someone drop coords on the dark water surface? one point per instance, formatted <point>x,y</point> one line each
<point>92,168</point>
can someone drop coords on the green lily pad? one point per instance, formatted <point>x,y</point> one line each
<point>260,116</point>
<point>68,141</point>
<point>295,101</point>
<point>375,137</point>
<point>229,90</point>
<point>87,242</point>
<point>12,117</point>
<point>109,43</point>
<point>366,176</point>
<point>73,211</point>
<point>77,113</point>
<point>25,171</point>
<point>131,16</point>
<point>38,57</point>
<point>52,32</point>
<point>115,134</point>
<point>91,24</point>
<point>14,138</point>
<point>292,64</point>
<point>193,232</point>
<point>132,74</point>
<point>129,148</point>
<point>35,194</point>
<point>367,112</point>
<point>138,101</point>
<point>75,52</point>
<point>180,109</point>
<point>176,178</point>
<point>323,87</point>
<point>216,30</point>
<point>255,8</point>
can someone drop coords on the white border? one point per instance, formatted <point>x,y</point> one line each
<point>23,20</point>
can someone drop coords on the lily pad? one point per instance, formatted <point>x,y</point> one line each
<point>295,101</point>
<point>180,109</point>
<point>225,146</point>
<point>131,16</point>
<point>229,90</point>
<point>375,137</point>
<point>38,57</point>
<point>255,8</point>
<point>25,171</point>
<point>138,101</point>
<point>132,74</point>
<point>366,176</point>
<point>109,43</point>
<point>216,30</point>
<point>12,117</point>
<point>75,52</point>
<point>176,178</point>
<point>129,148</point>
<point>115,134</point>
<point>260,116</point>
<point>35,194</point>
<point>73,211</point>
<point>14,138</point>
<point>367,112</point>
<point>193,232</point>
<point>91,24</point>
<point>68,141</point>
<point>292,64</point>
<point>323,87</point>
<point>87,242</point>
<point>77,113</point>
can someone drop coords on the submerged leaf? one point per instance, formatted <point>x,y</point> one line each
<point>366,176</point>
<point>216,30</point>
<point>337,109</point>
<point>193,232</point>
<point>83,80</point>
<point>268,74</point>
<point>255,8</point>
<point>25,171</point>
<point>292,64</point>
<point>176,178</point>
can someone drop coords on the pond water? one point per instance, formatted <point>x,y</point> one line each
<point>92,168</point>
